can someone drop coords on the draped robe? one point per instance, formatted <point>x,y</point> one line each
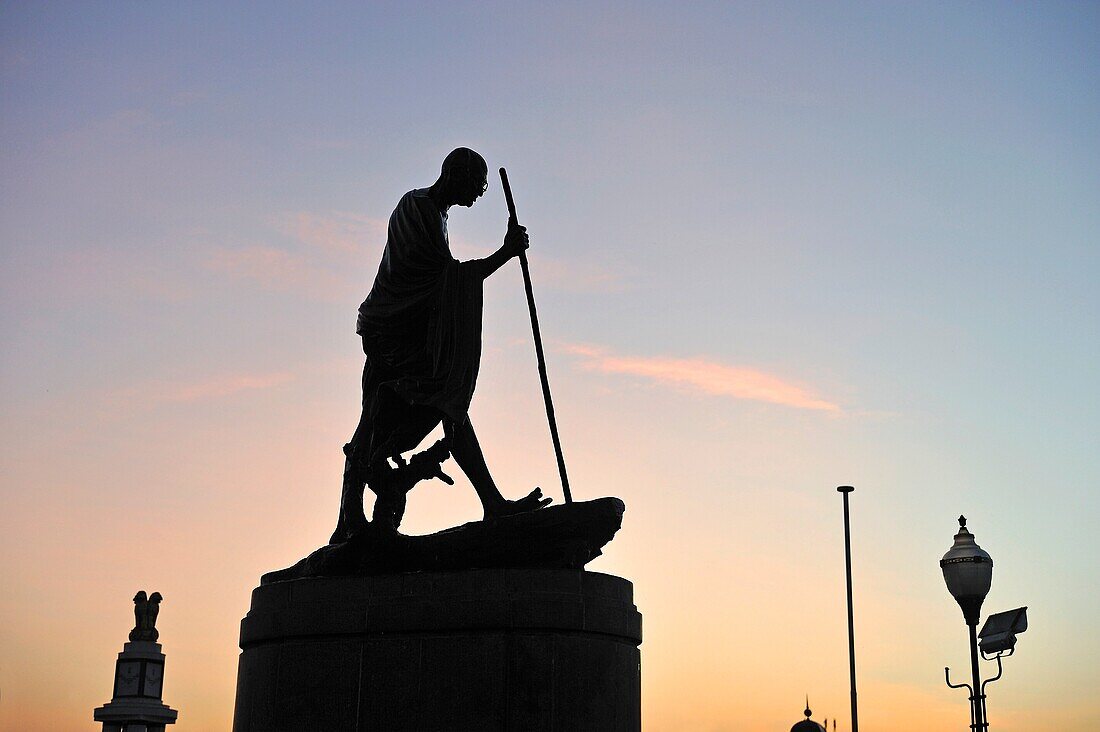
<point>421,329</point>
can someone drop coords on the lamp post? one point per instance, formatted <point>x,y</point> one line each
<point>968,572</point>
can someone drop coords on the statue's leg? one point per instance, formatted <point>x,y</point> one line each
<point>466,451</point>
<point>398,427</point>
<point>386,426</point>
<point>389,509</point>
<point>352,517</point>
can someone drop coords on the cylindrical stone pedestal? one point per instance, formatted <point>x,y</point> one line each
<point>503,649</point>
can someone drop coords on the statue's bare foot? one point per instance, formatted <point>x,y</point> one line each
<point>533,501</point>
<point>347,529</point>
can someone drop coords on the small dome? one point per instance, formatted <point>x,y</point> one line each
<point>807,724</point>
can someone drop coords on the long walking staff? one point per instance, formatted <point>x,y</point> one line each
<point>538,343</point>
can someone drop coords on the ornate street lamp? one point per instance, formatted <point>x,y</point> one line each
<point>968,572</point>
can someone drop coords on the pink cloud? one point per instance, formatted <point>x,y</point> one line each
<point>575,276</point>
<point>328,257</point>
<point>163,391</point>
<point>186,97</point>
<point>708,377</point>
<point>332,254</point>
<point>282,270</point>
<point>337,233</point>
<point>556,274</point>
<point>84,275</point>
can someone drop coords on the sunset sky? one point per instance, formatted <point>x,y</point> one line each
<point>776,248</point>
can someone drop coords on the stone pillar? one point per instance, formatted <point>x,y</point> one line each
<point>136,704</point>
<point>502,649</point>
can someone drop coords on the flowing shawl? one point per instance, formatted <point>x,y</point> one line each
<point>421,322</point>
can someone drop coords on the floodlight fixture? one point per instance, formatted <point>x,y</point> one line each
<point>998,635</point>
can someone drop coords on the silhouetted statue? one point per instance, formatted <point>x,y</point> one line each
<point>421,331</point>
<point>146,609</point>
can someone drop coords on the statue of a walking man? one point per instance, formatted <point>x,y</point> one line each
<point>421,331</point>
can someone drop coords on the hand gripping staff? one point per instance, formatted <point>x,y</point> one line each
<point>538,343</point>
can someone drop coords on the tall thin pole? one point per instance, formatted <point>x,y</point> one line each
<point>978,700</point>
<point>845,490</point>
<point>538,344</point>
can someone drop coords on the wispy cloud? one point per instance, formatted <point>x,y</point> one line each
<point>11,59</point>
<point>94,275</point>
<point>126,121</point>
<point>330,255</point>
<point>571,275</point>
<point>326,256</point>
<point>186,97</point>
<point>281,270</point>
<point>705,376</point>
<point>165,391</point>
<point>336,233</point>
<point>576,276</point>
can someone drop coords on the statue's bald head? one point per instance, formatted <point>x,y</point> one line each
<point>464,159</point>
<point>463,179</point>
